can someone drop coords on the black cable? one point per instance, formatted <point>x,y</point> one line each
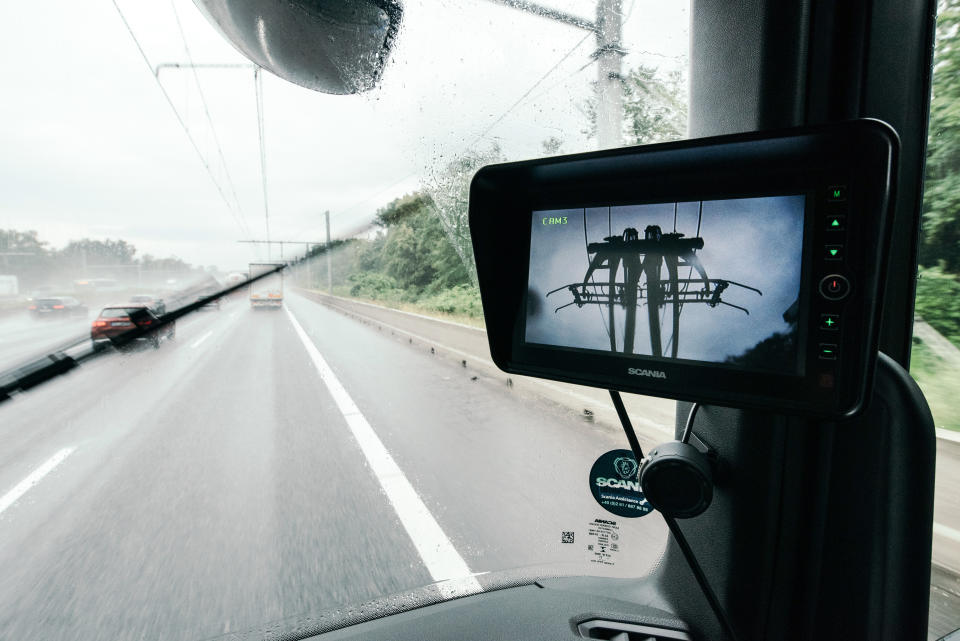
<point>678,535</point>
<point>688,428</point>
<point>586,248</point>
<point>700,576</point>
<point>627,425</point>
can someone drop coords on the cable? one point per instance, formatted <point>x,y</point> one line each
<point>258,90</point>
<point>586,246</point>
<point>206,110</point>
<point>484,132</point>
<point>183,125</point>
<point>526,93</point>
<point>627,425</point>
<point>675,530</point>
<point>688,428</point>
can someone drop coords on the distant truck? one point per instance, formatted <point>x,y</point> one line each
<point>268,291</point>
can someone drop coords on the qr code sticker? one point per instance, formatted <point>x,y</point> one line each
<point>566,537</point>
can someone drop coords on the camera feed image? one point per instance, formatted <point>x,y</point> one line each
<point>713,281</point>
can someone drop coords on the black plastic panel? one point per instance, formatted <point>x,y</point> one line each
<point>844,170</point>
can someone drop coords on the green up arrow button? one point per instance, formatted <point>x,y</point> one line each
<point>836,222</point>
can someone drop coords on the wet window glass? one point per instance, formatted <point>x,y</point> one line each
<point>327,435</point>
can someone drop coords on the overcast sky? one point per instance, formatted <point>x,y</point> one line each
<point>736,248</point>
<point>92,149</point>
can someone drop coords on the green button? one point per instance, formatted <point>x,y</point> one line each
<point>836,222</point>
<point>836,193</point>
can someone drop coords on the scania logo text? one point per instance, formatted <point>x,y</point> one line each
<point>649,373</point>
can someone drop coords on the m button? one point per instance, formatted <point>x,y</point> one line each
<point>836,193</point>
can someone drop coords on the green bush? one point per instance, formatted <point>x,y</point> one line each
<point>375,286</point>
<point>939,382</point>
<point>460,300</point>
<point>938,302</point>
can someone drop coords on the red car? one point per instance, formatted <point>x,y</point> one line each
<point>116,320</point>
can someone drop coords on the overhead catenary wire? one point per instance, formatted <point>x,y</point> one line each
<point>526,93</point>
<point>586,246</point>
<point>258,89</point>
<point>206,111</point>
<point>480,136</point>
<point>183,125</point>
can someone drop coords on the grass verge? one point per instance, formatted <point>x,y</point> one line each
<point>940,383</point>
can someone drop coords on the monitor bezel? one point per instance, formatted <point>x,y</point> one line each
<point>860,154</point>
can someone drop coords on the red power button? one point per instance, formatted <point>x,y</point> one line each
<point>834,287</point>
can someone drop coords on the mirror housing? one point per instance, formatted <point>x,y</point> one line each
<point>330,46</point>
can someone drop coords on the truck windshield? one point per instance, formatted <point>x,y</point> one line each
<point>347,437</point>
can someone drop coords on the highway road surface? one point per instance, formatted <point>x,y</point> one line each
<point>272,463</point>
<point>268,464</point>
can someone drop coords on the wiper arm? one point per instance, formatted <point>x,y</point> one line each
<point>41,369</point>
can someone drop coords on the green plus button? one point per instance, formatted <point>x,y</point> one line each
<point>830,322</point>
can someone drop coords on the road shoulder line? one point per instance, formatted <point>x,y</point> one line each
<point>436,550</point>
<point>492,368</point>
<point>356,301</point>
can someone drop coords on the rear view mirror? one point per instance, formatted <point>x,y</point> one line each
<point>329,46</point>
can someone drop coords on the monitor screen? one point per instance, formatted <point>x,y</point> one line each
<point>714,281</point>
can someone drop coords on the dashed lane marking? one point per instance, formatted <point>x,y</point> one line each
<point>200,340</point>
<point>33,478</point>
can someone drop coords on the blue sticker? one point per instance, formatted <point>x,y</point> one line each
<point>615,485</point>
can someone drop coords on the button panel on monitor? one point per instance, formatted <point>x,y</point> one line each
<point>833,286</point>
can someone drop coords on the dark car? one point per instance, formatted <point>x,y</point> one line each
<point>117,320</point>
<point>154,302</point>
<point>57,307</point>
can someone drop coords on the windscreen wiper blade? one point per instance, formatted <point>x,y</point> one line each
<point>41,369</point>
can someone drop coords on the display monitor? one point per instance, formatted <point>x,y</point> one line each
<point>715,282</point>
<point>741,270</point>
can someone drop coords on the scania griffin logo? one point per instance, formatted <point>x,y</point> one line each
<point>649,373</point>
<point>625,467</point>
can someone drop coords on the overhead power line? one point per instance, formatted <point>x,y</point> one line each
<point>183,125</point>
<point>206,110</point>
<point>526,93</point>
<point>480,136</point>
<point>258,90</point>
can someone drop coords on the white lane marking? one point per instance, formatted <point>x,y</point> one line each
<point>569,393</point>
<point>33,478</point>
<point>197,342</point>
<point>439,556</point>
<point>946,532</point>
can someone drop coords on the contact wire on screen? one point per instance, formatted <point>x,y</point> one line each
<point>586,247</point>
